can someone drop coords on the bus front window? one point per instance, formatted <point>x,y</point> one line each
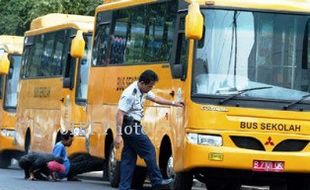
<point>82,81</point>
<point>243,49</point>
<point>10,101</point>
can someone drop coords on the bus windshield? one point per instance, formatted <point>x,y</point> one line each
<point>10,100</point>
<point>82,82</point>
<point>244,49</point>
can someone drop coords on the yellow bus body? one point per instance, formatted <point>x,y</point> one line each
<point>46,106</point>
<point>170,126</point>
<point>13,45</point>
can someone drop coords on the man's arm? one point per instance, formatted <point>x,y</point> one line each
<point>163,101</point>
<point>119,122</point>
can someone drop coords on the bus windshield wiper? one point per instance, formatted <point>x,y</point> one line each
<point>241,92</point>
<point>296,102</point>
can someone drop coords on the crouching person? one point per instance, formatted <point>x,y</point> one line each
<point>77,165</point>
<point>55,168</point>
<point>35,165</point>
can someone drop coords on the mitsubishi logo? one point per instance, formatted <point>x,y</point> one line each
<point>269,142</point>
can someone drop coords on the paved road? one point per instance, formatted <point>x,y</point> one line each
<point>12,179</point>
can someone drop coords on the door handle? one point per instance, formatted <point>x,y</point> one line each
<point>172,93</point>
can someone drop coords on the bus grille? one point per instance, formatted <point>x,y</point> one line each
<point>291,146</point>
<point>247,143</point>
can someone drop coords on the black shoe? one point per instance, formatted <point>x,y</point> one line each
<point>73,179</point>
<point>165,184</point>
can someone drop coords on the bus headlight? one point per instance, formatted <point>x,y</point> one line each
<point>210,140</point>
<point>7,133</point>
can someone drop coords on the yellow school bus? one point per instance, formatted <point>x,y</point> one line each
<point>53,86</point>
<point>11,48</point>
<point>242,69</point>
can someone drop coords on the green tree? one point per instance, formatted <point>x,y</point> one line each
<point>16,15</point>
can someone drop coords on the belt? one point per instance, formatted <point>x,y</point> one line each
<point>132,122</point>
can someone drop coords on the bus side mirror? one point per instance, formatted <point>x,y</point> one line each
<point>4,64</point>
<point>78,45</point>
<point>194,22</point>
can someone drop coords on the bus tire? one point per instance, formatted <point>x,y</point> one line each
<point>113,168</point>
<point>183,181</point>
<point>5,161</point>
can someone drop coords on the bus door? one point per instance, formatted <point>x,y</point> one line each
<point>1,96</point>
<point>78,122</point>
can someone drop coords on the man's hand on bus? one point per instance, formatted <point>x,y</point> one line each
<point>118,141</point>
<point>178,104</point>
<point>163,101</point>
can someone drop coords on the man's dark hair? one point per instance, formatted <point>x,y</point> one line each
<point>66,134</point>
<point>148,76</point>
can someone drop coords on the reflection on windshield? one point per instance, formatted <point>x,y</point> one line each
<point>12,82</point>
<point>244,50</point>
<point>82,82</point>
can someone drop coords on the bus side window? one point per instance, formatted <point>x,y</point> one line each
<point>100,55</point>
<point>35,57</point>
<point>180,54</point>
<point>121,37</point>
<point>59,53</point>
<point>46,62</point>
<point>143,34</point>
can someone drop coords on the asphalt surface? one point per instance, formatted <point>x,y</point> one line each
<point>13,179</point>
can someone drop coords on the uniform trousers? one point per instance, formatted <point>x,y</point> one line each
<point>137,143</point>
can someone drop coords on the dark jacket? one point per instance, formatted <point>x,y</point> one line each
<point>34,161</point>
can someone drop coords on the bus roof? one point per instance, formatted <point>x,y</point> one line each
<point>12,44</point>
<point>298,6</point>
<point>112,4</point>
<point>57,21</point>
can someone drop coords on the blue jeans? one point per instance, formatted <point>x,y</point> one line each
<point>137,143</point>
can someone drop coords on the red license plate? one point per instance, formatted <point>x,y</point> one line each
<point>268,166</point>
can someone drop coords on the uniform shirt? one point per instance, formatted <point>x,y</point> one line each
<point>60,151</point>
<point>132,101</point>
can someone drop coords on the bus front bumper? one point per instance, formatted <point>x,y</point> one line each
<point>202,156</point>
<point>7,143</point>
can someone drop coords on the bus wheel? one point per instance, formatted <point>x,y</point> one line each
<point>113,168</point>
<point>138,177</point>
<point>169,168</point>
<point>5,161</point>
<point>183,181</point>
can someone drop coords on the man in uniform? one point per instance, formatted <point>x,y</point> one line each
<point>129,114</point>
